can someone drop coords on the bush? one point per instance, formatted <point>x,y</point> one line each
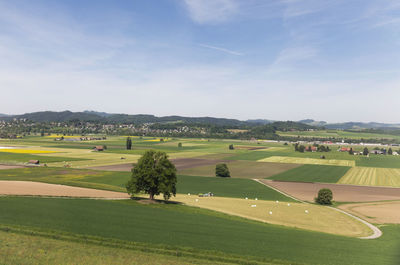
<point>179,145</point>
<point>221,170</point>
<point>231,147</point>
<point>324,197</point>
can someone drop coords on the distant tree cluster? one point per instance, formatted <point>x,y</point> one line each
<point>315,147</point>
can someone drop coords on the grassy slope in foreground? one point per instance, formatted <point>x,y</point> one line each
<point>313,173</point>
<point>30,250</point>
<point>177,225</point>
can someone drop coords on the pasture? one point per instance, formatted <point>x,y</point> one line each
<point>176,226</point>
<point>382,161</point>
<point>242,169</point>
<point>312,173</point>
<point>19,248</point>
<point>228,187</point>
<point>293,214</point>
<point>20,158</point>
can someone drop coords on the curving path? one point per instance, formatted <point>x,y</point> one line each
<point>376,231</point>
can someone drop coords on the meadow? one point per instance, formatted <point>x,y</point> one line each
<point>172,225</point>
<point>313,173</point>
<point>19,248</point>
<point>216,232</point>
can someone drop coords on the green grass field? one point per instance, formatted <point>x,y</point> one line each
<point>181,226</point>
<point>107,180</point>
<point>242,169</point>
<point>31,250</point>
<point>383,161</point>
<point>340,134</point>
<point>313,173</point>
<point>228,187</point>
<point>115,181</point>
<point>11,158</point>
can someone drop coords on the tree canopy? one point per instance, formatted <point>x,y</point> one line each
<point>128,143</point>
<point>154,174</point>
<point>221,170</point>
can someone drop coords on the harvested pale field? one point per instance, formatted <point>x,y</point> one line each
<point>184,144</point>
<point>44,189</point>
<point>10,166</point>
<point>370,176</point>
<point>377,212</point>
<point>241,169</point>
<point>185,163</point>
<point>252,148</point>
<point>96,158</point>
<point>311,161</point>
<point>273,149</point>
<point>127,167</point>
<point>187,154</point>
<point>341,193</point>
<point>299,215</point>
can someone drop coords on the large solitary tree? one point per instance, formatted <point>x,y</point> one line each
<point>153,174</point>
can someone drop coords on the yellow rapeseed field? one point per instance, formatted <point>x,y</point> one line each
<point>26,151</point>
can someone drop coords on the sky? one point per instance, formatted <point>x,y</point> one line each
<point>333,60</point>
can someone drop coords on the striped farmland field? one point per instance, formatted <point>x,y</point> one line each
<point>306,160</point>
<point>370,176</point>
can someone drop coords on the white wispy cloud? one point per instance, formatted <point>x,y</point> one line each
<point>211,11</point>
<point>221,49</point>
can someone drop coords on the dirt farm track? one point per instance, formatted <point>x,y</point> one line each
<point>341,193</point>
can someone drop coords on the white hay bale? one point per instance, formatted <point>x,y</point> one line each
<point>189,194</point>
<point>277,201</point>
<point>254,205</point>
<point>256,199</point>
<point>246,198</point>
<point>197,200</point>
<point>288,204</point>
<point>306,211</point>
<point>270,212</point>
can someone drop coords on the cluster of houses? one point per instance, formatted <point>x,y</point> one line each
<point>80,139</point>
<point>375,151</point>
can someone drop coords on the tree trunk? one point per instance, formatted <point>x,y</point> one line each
<point>151,196</point>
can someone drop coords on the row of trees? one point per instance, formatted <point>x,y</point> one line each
<point>316,147</point>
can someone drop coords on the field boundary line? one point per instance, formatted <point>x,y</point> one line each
<point>281,192</point>
<point>376,231</point>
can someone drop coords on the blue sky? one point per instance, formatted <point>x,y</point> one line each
<point>333,60</point>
